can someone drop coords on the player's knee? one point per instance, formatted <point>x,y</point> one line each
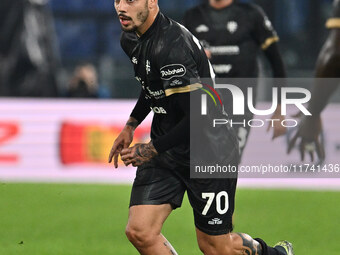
<point>140,237</point>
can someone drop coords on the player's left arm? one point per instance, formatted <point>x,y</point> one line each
<point>266,36</point>
<point>177,88</point>
<point>142,153</point>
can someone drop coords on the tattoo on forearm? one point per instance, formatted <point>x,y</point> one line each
<point>250,246</point>
<point>132,123</point>
<point>144,153</point>
<point>171,249</point>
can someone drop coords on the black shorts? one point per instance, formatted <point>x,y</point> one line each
<point>162,181</point>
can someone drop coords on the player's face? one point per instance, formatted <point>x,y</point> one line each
<point>132,13</point>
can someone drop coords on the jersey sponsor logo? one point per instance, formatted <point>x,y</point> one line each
<point>232,26</point>
<point>158,110</point>
<point>215,221</point>
<point>225,50</point>
<point>202,29</point>
<point>176,83</point>
<point>222,68</point>
<point>171,71</point>
<point>134,60</point>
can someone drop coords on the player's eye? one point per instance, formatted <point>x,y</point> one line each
<point>128,1</point>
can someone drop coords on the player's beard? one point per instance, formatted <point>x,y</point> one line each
<point>142,16</point>
<point>220,1</point>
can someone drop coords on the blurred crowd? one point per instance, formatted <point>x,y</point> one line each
<point>70,48</point>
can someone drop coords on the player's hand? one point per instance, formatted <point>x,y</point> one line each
<point>278,129</point>
<point>309,132</point>
<point>122,141</point>
<point>138,154</point>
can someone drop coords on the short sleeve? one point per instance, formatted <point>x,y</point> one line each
<point>264,33</point>
<point>178,69</point>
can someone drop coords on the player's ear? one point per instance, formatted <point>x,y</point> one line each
<point>153,4</point>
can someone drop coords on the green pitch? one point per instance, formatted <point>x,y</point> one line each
<point>38,219</point>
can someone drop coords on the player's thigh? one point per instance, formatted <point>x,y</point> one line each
<point>155,193</point>
<point>213,203</point>
<point>156,185</point>
<point>148,218</point>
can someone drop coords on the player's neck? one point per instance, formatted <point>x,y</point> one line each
<point>148,23</point>
<point>220,4</point>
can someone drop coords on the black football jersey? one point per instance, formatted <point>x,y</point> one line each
<point>234,35</point>
<point>334,21</point>
<point>167,60</point>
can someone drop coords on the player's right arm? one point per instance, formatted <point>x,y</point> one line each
<point>125,137</point>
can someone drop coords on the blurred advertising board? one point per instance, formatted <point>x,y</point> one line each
<point>56,140</point>
<point>63,140</point>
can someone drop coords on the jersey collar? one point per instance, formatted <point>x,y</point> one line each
<point>151,28</point>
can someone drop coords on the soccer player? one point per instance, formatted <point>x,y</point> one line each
<point>327,66</point>
<point>232,34</point>
<point>169,63</point>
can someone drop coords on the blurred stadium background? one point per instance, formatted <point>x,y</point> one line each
<point>52,137</point>
<point>87,31</point>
